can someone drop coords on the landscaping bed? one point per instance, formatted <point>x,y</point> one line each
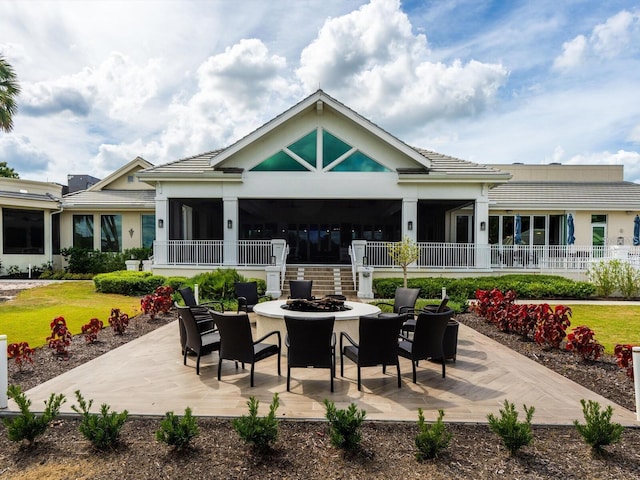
<point>303,449</point>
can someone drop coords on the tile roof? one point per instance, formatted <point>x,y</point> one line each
<point>567,195</point>
<point>121,199</point>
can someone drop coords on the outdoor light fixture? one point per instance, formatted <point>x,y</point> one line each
<point>410,225</point>
<point>272,260</point>
<point>365,261</point>
<point>229,224</point>
<point>483,226</point>
<point>160,223</point>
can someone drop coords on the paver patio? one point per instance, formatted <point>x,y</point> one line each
<point>146,376</point>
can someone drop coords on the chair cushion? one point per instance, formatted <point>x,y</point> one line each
<point>351,353</point>
<point>210,342</point>
<point>264,350</point>
<point>405,348</point>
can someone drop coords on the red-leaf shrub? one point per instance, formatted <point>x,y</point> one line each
<point>624,357</point>
<point>524,321</point>
<point>20,352</point>
<point>552,325</point>
<point>582,342</point>
<point>91,329</point>
<point>119,321</point>
<point>60,337</point>
<point>159,301</point>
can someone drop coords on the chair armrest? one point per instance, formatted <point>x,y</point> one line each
<point>275,332</point>
<point>333,339</point>
<point>405,338</point>
<point>383,303</point>
<point>405,309</point>
<point>349,339</point>
<point>211,304</point>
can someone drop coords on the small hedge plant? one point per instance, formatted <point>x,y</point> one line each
<point>126,282</point>
<point>431,439</point>
<point>514,434</point>
<point>103,429</point>
<point>344,425</point>
<point>259,432</point>
<point>598,430</point>
<point>28,426</point>
<point>178,432</point>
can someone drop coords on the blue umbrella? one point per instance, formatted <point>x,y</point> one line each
<point>570,230</point>
<point>636,230</point>
<point>517,238</point>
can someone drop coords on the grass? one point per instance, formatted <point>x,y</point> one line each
<point>27,317</point>
<point>611,324</point>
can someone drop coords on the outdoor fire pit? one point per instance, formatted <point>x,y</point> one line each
<point>325,304</point>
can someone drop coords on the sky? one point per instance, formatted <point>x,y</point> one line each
<point>531,81</point>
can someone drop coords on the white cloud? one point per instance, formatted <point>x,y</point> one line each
<point>619,35</point>
<point>117,87</point>
<point>573,53</point>
<point>630,160</point>
<point>371,57</point>
<point>21,155</point>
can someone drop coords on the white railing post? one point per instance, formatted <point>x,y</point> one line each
<point>635,355</point>
<point>4,372</point>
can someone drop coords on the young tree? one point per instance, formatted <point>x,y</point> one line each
<point>404,253</point>
<point>9,91</point>
<point>7,172</point>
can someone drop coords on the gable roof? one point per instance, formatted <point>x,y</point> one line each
<point>430,166</point>
<point>135,164</point>
<point>318,101</point>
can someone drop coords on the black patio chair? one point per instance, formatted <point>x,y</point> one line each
<point>377,345</point>
<point>189,299</point>
<point>301,289</point>
<point>428,339</point>
<point>404,301</point>
<point>311,342</point>
<point>410,324</point>
<point>236,341</point>
<point>247,295</point>
<point>200,342</point>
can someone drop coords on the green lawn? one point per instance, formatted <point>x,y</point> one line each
<point>611,324</point>
<point>27,317</point>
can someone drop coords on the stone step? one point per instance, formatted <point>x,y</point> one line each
<point>326,280</point>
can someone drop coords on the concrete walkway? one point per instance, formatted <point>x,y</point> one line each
<point>147,377</point>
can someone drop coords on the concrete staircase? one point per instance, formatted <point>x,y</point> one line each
<point>326,280</point>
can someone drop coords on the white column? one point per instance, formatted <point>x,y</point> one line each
<point>230,219</point>
<point>4,372</point>
<point>160,251</point>
<point>481,230</point>
<point>410,218</point>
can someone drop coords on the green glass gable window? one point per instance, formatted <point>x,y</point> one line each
<point>359,162</point>
<point>305,148</point>
<point>332,148</point>
<point>280,162</point>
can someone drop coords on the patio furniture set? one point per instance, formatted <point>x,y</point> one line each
<point>310,336</point>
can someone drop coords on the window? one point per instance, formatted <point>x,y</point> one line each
<point>110,233</point>
<point>23,231</point>
<point>148,230</point>
<point>130,179</point>
<point>83,231</point>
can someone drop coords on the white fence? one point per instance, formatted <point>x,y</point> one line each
<point>212,252</point>
<point>472,256</point>
<point>432,255</point>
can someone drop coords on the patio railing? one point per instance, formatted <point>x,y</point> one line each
<point>212,252</point>
<point>432,255</point>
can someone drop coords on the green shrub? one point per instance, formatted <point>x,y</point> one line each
<point>514,434</point>
<point>431,439</point>
<point>28,426</point>
<point>462,289</point>
<point>138,253</point>
<point>102,430</point>
<point>628,281</point>
<point>260,432</point>
<point>217,284</point>
<point>604,275</point>
<point>598,429</point>
<point>344,425</point>
<point>178,432</point>
<point>130,283</point>
<point>81,260</point>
